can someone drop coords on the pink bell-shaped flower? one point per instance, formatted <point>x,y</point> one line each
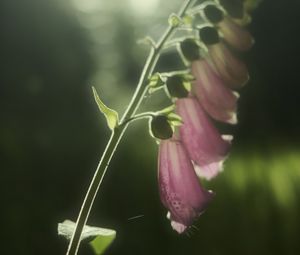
<point>204,144</point>
<point>218,101</point>
<point>232,70</point>
<point>235,35</point>
<point>180,190</point>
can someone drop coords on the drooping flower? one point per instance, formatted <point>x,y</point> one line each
<point>231,69</point>
<point>218,101</point>
<point>206,147</point>
<point>180,190</point>
<point>233,33</point>
<point>199,149</point>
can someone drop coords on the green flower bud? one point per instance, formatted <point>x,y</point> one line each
<point>209,35</point>
<point>174,20</point>
<point>175,86</point>
<point>190,49</point>
<point>160,127</point>
<point>156,80</point>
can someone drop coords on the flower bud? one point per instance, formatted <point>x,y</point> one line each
<point>160,127</point>
<point>209,35</point>
<point>175,86</point>
<point>156,80</point>
<point>213,14</point>
<point>190,49</point>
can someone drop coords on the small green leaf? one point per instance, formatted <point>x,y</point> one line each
<point>101,243</point>
<point>187,86</point>
<point>101,237</point>
<point>156,80</point>
<point>174,119</point>
<point>188,77</point>
<point>111,116</point>
<point>167,110</point>
<point>174,20</point>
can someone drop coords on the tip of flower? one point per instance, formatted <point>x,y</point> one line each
<point>227,138</point>
<point>212,193</point>
<point>236,94</point>
<point>209,171</point>
<point>233,120</point>
<point>178,227</point>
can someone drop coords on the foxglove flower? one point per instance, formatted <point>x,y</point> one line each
<point>234,34</point>
<point>232,70</point>
<point>218,101</point>
<point>205,146</point>
<point>180,190</point>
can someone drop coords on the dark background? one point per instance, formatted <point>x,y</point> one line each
<point>52,136</point>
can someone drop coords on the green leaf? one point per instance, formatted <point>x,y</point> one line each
<point>188,77</point>
<point>187,86</point>
<point>174,119</point>
<point>167,110</point>
<point>111,116</point>
<point>102,237</point>
<point>101,243</point>
<point>156,80</point>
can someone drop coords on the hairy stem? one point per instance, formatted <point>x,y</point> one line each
<point>117,134</point>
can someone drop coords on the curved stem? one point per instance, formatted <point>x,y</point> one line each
<point>176,41</point>
<point>117,134</point>
<point>144,115</point>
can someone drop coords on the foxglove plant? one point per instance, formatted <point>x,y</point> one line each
<point>190,146</point>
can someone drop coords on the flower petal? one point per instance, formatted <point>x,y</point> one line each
<point>235,35</point>
<point>201,139</point>
<point>180,190</point>
<point>231,69</point>
<point>219,101</point>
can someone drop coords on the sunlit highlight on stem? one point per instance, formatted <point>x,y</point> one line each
<point>117,135</point>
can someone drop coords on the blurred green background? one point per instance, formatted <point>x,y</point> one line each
<point>52,136</point>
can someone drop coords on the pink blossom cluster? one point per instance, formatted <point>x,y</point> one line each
<point>199,149</point>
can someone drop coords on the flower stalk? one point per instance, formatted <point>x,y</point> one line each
<point>118,132</point>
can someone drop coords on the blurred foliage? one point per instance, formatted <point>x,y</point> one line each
<point>52,136</point>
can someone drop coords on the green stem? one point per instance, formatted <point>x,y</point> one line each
<point>117,134</point>
<point>144,115</point>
